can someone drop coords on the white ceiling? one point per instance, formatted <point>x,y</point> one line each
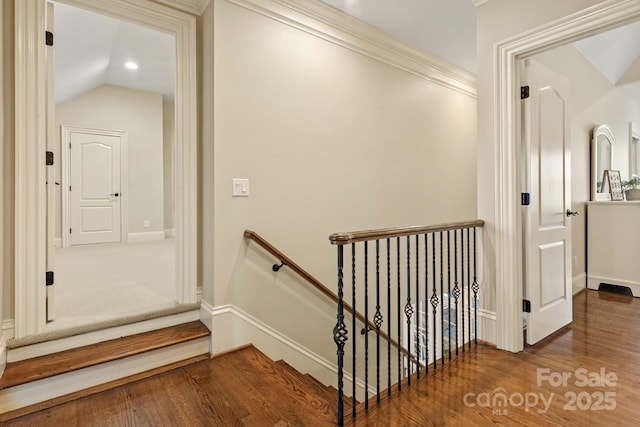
<point>91,49</point>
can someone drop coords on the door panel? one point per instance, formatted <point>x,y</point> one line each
<point>95,188</point>
<point>547,239</point>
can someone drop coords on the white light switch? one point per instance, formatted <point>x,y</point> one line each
<point>240,187</point>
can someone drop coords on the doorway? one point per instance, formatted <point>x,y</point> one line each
<point>508,238</point>
<point>31,87</point>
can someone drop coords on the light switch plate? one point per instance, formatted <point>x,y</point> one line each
<point>240,187</point>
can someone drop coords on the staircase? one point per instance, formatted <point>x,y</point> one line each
<point>242,387</point>
<point>41,382</point>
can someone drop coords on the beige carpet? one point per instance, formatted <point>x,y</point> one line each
<point>101,283</point>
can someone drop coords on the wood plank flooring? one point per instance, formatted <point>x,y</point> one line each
<point>245,388</point>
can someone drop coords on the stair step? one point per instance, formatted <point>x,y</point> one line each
<point>26,371</point>
<point>330,394</point>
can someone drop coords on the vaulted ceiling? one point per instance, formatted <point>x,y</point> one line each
<point>92,49</point>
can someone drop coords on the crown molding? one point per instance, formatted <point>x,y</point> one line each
<point>330,24</point>
<point>478,3</point>
<point>193,7</point>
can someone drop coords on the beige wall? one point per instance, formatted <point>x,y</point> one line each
<point>331,140</point>
<point>593,101</point>
<point>499,20</point>
<point>140,115</point>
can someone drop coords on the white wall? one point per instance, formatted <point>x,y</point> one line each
<point>140,114</point>
<point>593,101</point>
<point>331,140</point>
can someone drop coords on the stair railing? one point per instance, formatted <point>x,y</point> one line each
<point>284,260</point>
<point>426,278</point>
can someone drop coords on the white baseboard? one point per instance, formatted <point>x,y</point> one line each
<point>149,236</point>
<point>579,282</point>
<point>3,355</point>
<point>60,385</point>
<point>238,328</point>
<point>169,232</point>
<point>593,282</point>
<point>8,329</point>
<point>487,326</point>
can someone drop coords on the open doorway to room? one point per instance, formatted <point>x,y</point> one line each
<point>137,145</point>
<point>115,250</point>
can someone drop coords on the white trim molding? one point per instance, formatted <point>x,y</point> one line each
<point>249,330</point>
<point>508,237</point>
<point>149,236</point>
<point>478,3</point>
<point>579,283</point>
<point>194,7</point>
<point>30,143</point>
<point>487,326</point>
<point>330,24</point>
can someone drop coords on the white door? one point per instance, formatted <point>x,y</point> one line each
<point>547,224</point>
<point>95,193</point>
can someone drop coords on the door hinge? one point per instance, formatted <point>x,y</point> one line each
<point>49,278</point>
<point>525,199</point>
<point>70,231</point>
<point>49,158</point>
<point>526,306</point>
<point>524,92</point>
<point>48,38</point>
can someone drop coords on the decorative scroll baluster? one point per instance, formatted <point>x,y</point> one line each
<point>340,337</point>
<point>354,346</point>
<point>434,301</point>
<point>389,317</point>
<point>408,310</point>
<point>475,288</point>
<point>377,320</point>
<point>442,298</point>
<point>426,296</point>
<point>366,326</point>
<point>456,289</point>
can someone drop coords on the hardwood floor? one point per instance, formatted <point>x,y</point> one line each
<point>245,388</point>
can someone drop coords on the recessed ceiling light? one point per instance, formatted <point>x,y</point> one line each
<point>131,65</point>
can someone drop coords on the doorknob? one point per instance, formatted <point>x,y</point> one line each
<point>571,213</point>
<point>115,194</point>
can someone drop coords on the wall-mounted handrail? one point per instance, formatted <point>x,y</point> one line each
<point>387,233</point>
<point>252,235</point>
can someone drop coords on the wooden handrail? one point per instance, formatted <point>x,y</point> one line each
<point>387,233</point>
<point>252,235</point>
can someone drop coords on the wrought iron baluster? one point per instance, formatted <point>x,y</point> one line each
<point>475,288</point>
<point>389,317</point>
<point>469,284</point>
<point>434,300</point>
<point>417,299</point>
<point>426,297</point>
<point>462,287</point>
<point>442,298</point>
<point>449,292</point>
<point>399,315</point>
<point>408,310</point>
<point>354,346</point>
<point>340,337</point>
<point>456,289</point>
<point>366,326</point>
<point>377,320</point>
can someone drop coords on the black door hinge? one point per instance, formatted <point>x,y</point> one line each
<point>525,199</point>
<point>49,158</point>
<point>526,306</point>
<point>48,38</point>
<point>49,278</point>
<point>524,92</point>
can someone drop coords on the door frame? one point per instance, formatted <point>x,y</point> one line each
<point>30,146</point>
<point>65,165</point>
<point>508,222</point>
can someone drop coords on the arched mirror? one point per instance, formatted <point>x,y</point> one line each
<point>601,145</point>
<point>634,150</point>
